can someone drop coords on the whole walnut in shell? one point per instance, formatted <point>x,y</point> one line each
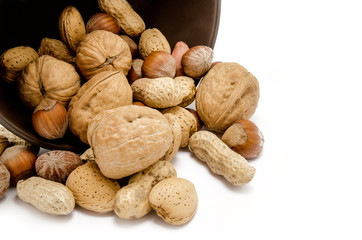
<point>100,51</point>
<point>228,92</point>
<point>128,139</point>
<point>106,90</point>
<point>48,77</point>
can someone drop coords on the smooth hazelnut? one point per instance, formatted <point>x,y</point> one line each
<point>50,119</point>
<point>177,52</point>
<point>197,61</point>
<point>20,161</point>
<point>102,21</point>
<point>159,64</point>
<point>245,138</point>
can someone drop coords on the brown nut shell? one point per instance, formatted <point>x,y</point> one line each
<point>219,105</point>
<point>56,165</point>
<point>175,200</point>
<point>197,61</point>
<point>133,47</point>
<point>159,64</point>
<point>128,20</point>
<point>152,40</point>
<point>48,77</point>
<point>105,90</point>
<point>4,180</point>
<point>128,139</point>
<point>71,27</point>
<point>14,60</point>
<point>91,189</point>
<point>100,51</point>
<point>102,21</point>
<point>55,48</point>
<point>178,51</point>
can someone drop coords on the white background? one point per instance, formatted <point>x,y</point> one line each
<point>307,56</point>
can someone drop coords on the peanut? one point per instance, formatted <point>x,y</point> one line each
<point>132,200</point>
<point>177,137</point>
<point>50,197</point>
<point>220,158</point>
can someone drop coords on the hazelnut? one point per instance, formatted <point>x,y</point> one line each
<point>57,165</point>
<point>159,64</point>
<point>177,52</point>
<point>102,21</point>
<point>245,138</point>
<point>131,44</point>
<point>4,180</point>
<point>50,119</point>
<point>197,61</point>
<point>139,103</point>
<point>136,70</point>
<point>20,161</point>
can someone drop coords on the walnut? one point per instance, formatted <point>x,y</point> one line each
<point>104,91</point>
<point>228,92</point>
<point>100,51</point>
<point>48,77</point>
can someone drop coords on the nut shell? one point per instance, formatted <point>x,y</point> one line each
<point>178,51</point>
<point>47,196</point>
<point>128,20</point>
<point>102,51</point>
<point>71,27</point>
<point>152,40</point>
<point>175,200</point>
<point>13,60</point>
<point>102,21</point>
<point>197,61</point>
<point>57,165</point>
<point>128,139</point>
<point>4,180</point>
<point>159,64</point>
<point>220,105</point>
<point>91,189</point>
<point>105,90</point>
<point>55,48</point>
<point>48,77</point>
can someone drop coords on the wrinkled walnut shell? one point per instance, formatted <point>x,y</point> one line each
<point>219,105</point>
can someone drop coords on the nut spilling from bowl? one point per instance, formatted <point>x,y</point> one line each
<point>119,87</point>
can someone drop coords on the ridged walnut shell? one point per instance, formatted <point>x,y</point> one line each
<point>48,77</point>
<point>228,92</point>
<point>71,27</point>
<point>106,90</point>
<point>100,51</point>
<point>128,139</point>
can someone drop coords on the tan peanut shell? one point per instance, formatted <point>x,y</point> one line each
<point>188,88</point>
<point>71,27</point>
<point>157,92</point>
<point>48,77</point>
<point>4,180</point>
<point>100,51</point>
<point>128,20</point>
<point>128,139</point>
<point>220,158</point>
<point>175,200</point>
<point>152,40</point>
<point>105,90</point>
<point>176,137</point>
<point>55,48</point>
<point>132,200</point>
<point>228,92</point>
<point>187,122</point>
<point>13,60</point>
<point>50,197</point>
<point>91,189</point>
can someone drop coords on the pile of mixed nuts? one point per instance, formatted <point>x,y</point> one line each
<point>127,96</point>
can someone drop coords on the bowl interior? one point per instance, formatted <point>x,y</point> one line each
<point>26,22</point>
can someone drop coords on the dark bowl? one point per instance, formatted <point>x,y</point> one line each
<point>25,23</point>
